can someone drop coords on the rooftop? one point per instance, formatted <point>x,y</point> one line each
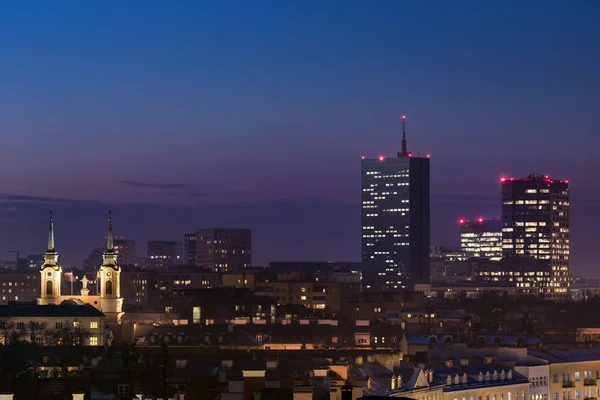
<point>567,355</point>
<point>65,309</point>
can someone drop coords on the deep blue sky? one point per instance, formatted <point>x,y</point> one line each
<point>259,112</point>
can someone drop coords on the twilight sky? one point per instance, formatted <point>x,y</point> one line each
<point>186,114</point>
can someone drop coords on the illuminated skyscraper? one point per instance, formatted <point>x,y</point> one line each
<point>395,221</point>
<point>535,222</point>
<point>481,238</point>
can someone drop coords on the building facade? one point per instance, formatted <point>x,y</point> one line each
<point>535,222</point>
<point>50,326</point>
<point>165,254</point>
<point>151,287</point>
<point>395,221</point>
<point>189,248</point>
<point>19,286</point>
<point>223,249</point>
<point>481,238</point>
<point>125,250</point>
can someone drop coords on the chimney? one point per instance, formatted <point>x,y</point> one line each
<point>464,362</point>
<point>180,396</point>
<point>393,382</point>
<point>6,396</point>
<point>488,359</point>
<point>139,396</point>
<point>78,396</point>
<point>399,385</point>
<point>430,377</point>
<point>256,395</point>
<point>509,375</point>
<point>449,363</point>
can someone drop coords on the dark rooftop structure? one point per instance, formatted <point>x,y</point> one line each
<point>67,308</point>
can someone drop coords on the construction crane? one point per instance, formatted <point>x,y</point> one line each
<point>18,252</point>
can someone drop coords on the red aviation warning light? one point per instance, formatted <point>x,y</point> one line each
<point>480,220</point>
<point>461,221</point>
<point>503,179</point>
<point>381,158</point>
<point>362,157</point>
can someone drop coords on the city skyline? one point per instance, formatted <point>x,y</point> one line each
<point>273,141</point>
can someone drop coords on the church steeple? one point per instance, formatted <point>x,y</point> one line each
<point>51,272</point>
<point>109,237</point>
<point>51,234</point>
<point>51,256</point>
<point>109,257</point>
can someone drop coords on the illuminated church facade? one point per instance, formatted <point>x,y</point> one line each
<point>108,300</point>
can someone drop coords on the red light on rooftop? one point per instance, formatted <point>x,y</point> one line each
<point>480,220</point>
<point>410,154</point>
<point>428,155</point>
<point>404,117</point>
<point>547,177</point>
<point>503,179</point>
<point>381,158</point>
<point>566,181</point>
<point>461,221</point>
<point>362,158</point>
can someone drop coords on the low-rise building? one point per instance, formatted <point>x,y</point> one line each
<point>573,373</point>
<point>69,323</point>
<point>151,287</point>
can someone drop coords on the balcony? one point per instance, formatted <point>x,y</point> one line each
<point>568,384</point>
<point>589,382</point>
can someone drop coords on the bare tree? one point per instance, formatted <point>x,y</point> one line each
<point>9,334</point>
<point>35,330</point>
<point>67,335</point>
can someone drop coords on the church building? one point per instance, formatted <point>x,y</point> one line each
<point>108,300</point>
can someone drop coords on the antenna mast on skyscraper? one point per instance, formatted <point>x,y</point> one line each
<point>404,152</point>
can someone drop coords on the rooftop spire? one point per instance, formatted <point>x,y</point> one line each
<point>109,237</point>
<point>51,233</point>
<point>404,152</point>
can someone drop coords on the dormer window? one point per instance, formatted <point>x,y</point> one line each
<point>259,338</point>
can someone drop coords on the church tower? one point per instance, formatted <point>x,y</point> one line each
<point>51,272</point>
<point>110,279</point>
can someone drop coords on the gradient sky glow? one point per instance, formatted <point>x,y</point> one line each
<point>256,113</point>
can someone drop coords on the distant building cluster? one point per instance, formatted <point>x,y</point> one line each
<point>195,319</point>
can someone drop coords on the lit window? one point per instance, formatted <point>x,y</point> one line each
<point>93,325</point>
<point>94,341</point>
<point>302,297</point>
<point>76,324</point>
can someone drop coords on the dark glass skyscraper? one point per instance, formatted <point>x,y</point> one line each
<point>535,222</point>
<point>395,221</point>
